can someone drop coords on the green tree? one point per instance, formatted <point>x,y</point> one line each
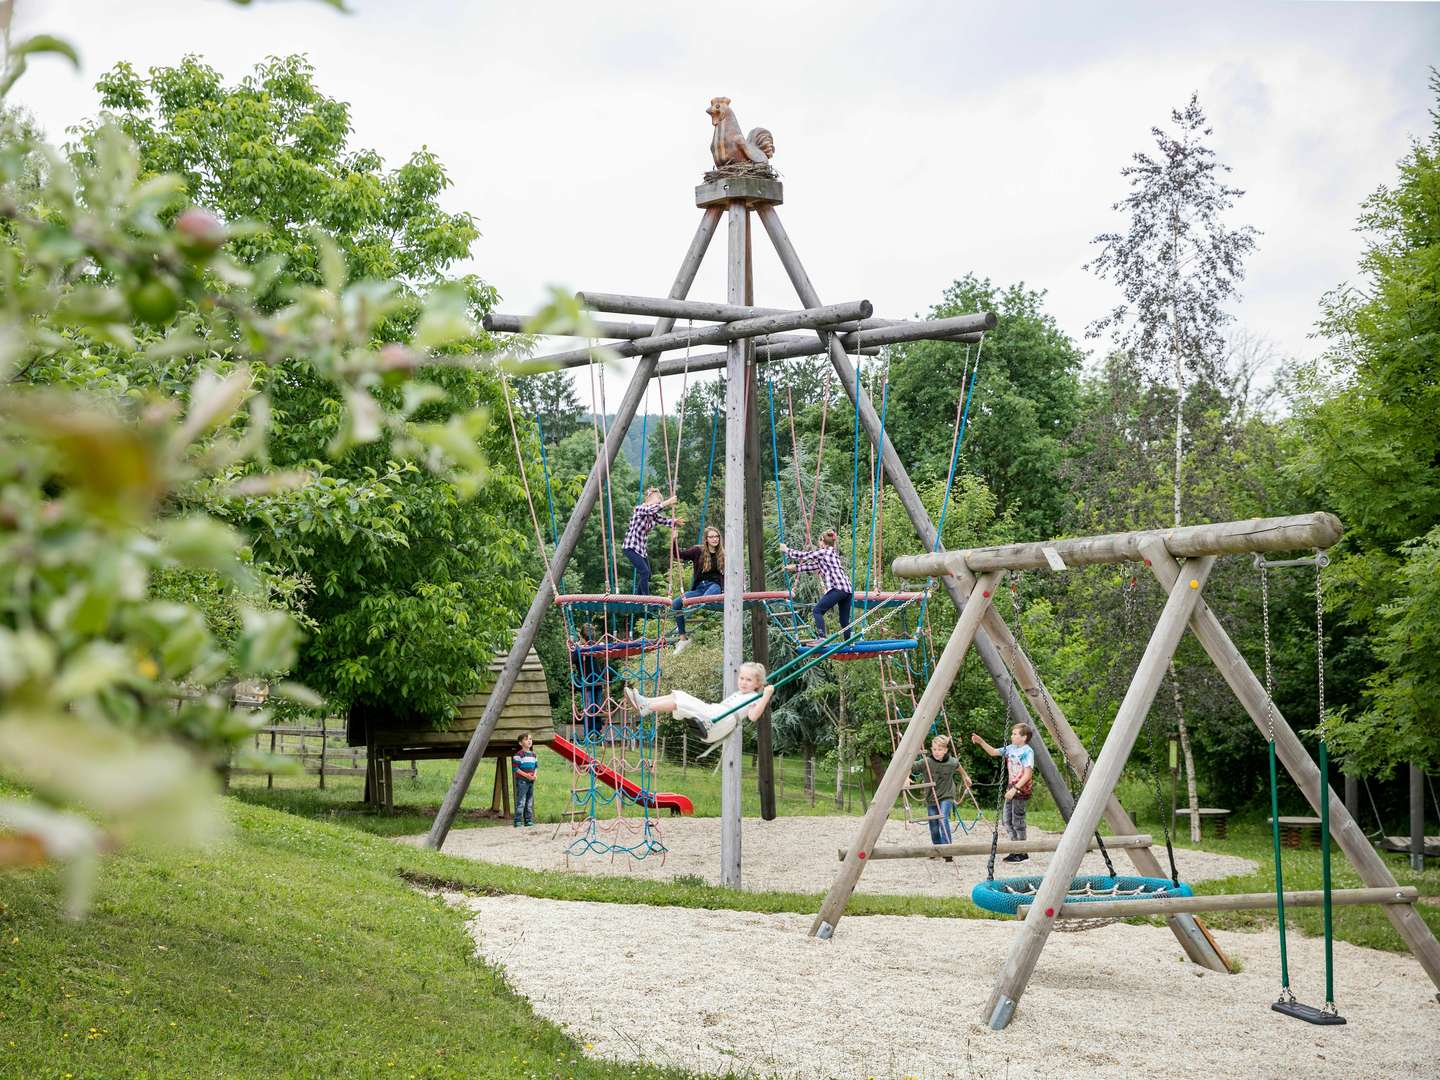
<point>1367,443</point>
<point>1025,381</point>
<point>412,586</point>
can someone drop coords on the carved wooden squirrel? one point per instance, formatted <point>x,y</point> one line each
<point>729,146</point>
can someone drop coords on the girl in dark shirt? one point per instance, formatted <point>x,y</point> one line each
<point>707,560</point>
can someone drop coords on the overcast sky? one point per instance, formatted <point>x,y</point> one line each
<point>917,141</point>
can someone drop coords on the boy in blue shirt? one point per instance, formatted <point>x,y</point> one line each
<point>1020,781</point>
<point>524,765</point>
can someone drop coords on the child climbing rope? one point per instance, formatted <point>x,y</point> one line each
<point>1020,771</point>
<point>707,560</point>
<point>637,535</point>
<point>714,719</point>
<point>825,561</point>
<point>941,768</point>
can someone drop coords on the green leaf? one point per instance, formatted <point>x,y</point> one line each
<point>46,43</point>
<point>267,642</point>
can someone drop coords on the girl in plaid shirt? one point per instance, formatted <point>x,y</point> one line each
<point>825,561</point>
<point>637,535</point>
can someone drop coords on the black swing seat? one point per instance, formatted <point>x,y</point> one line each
<point>1308,1013</point>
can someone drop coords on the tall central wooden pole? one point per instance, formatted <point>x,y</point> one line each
<point>736,271</point>
<point>755,550</point>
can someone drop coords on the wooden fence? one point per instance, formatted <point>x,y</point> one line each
<point>320,751</point>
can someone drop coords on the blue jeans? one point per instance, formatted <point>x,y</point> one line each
<point>829,600</point>
<point>524,801</point>
<point>709,588</point>
<point>940,822</point>
<point>642,570</point>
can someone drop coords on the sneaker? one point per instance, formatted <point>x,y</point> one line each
<point>637,701</point>
<point>1020,856</point>
<point>949,858</point>
<point>1014,856</point>
<point>681,644</point>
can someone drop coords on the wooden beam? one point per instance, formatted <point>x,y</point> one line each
<point>1220,538</point>
<point>915,509</point>
<point>755,551</point>
<point>545,592</point>
<point>1003,847</point>
<point>865,342</point>
<point>711,335</point>
<point>912,743</point>
<point>1171,905</point>
<point>1192,935</point>
<point>515,324</point>
<point>768,350</point>
<point>621,304</point>
<point>1417,818</point>
<point>1346,831</point>
<point>1035,930</point>
<point>733,639</point>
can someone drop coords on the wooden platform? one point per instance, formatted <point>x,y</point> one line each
<point>1401,844</point>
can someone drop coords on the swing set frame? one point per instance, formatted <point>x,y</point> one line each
<point>1181,560</point>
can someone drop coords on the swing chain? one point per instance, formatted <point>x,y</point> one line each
<point>1265,631</point>
<point>1320,643</point>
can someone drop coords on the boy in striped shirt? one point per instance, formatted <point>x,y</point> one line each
<point>525,765</point>
<point>637,535</point>
<point>825,561</point>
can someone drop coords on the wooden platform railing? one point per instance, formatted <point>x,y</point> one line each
<point>320,751</point>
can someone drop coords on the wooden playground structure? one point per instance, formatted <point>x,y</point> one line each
<point>740,190</point>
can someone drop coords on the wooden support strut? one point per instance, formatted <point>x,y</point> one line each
<point>819,315</point>
<point>1003,847</point>
<point>912,743</point>
<point>1219,538</point>
<point>544,593</point>
<point>1169,905</point>
<point>1190,932</point>
<point>1183,598</point>
<point>909,498</point>
<point>732,633</point>
<point>1345,830</point>
<point>770,349</point>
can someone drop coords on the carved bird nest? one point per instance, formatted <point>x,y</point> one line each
<point>744,168</point>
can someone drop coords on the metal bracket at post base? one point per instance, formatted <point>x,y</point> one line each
<point>826,932</point>
<point>1004,1010</point>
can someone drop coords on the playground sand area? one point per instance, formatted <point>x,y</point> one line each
<point>899,996</point>
<point>791,854</point>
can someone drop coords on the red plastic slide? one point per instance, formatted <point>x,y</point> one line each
<point>664,800</point>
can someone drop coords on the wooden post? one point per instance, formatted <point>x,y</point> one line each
<point>545,593</point>
<point>1417,817</point>
<point>915,509</point>
<point>911,745</point>
<point>1344,829</point>
<point>755,549</point>
<point>270,777</point>
<point>1192,935</point>
<point>1183,598</point>
<point>733,642</point>
<point>1352,795</point>
<point>324,742</point>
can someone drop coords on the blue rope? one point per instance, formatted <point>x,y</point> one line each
<point>709,475</point>
<point>855,475</point>
<point>955,453</point>
<point>875,487</point>
<point>775,460</point>
<point>549,492</point>
<point>639,495</point>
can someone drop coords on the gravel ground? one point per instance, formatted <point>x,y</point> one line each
<point>894,996</point>
<point>794,854</point>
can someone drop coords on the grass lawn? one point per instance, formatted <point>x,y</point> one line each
<point>300,948</point>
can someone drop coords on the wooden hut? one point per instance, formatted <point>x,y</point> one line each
<point>388,738</point>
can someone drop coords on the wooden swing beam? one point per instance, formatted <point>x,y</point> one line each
<point>1003,847</point>
<point>1256,901</point>
<point>1190,541</point>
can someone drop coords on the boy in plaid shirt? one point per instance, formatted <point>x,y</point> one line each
<point>825,561</point>
<point>637,535</point>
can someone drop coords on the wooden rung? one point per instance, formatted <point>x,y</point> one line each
<point>898,686</point>
<point>1180,905</point>
<point>1003,847</point>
